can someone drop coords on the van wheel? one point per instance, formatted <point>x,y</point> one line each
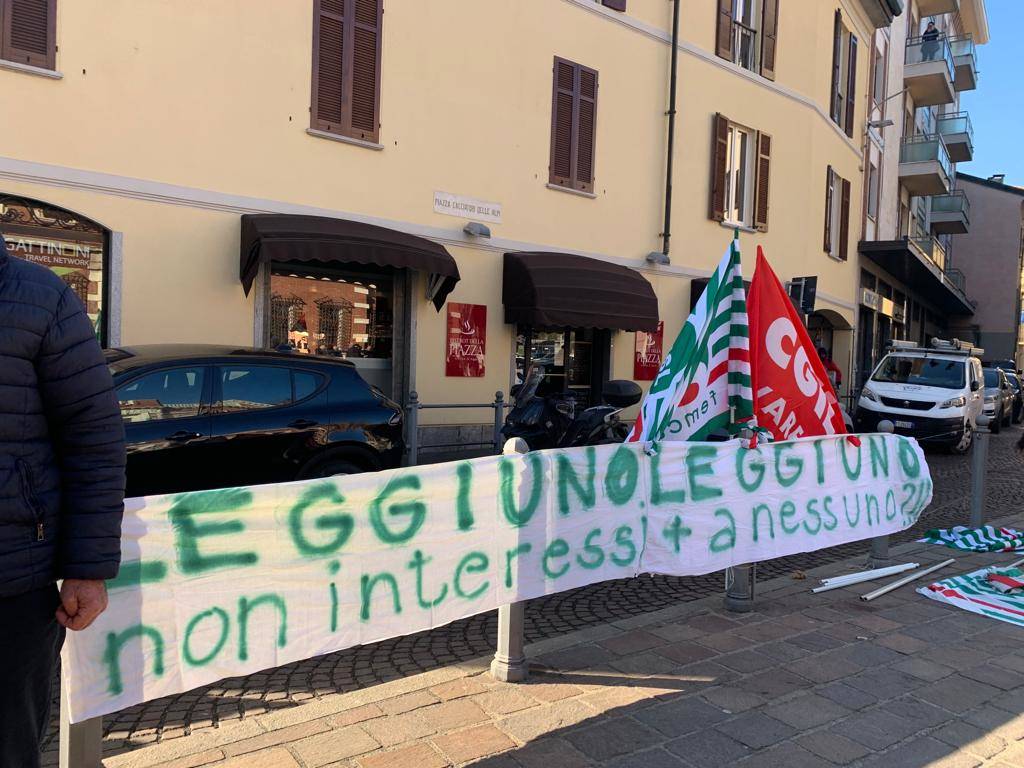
<point>965,442</point>
<point>329,466</point>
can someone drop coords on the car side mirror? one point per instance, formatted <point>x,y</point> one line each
<point>974,386</point>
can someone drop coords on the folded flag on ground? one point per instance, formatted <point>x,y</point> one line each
<point>975,592</point>
<point>984,539</point>
<point>1009,581</point>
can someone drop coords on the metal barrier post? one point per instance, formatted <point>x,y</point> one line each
<point>81,744</point>
<point>979,460</point>
<point>509,663</point>
<point>739,588</point>
<point>499,417</point>
<point>413,427</point>
<point>879,555</point>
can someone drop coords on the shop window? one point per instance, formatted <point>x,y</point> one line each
<point>167,394</point>
<point>331,312</point>
<point>75,248</point>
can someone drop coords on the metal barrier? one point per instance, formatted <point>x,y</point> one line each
<point>413,422</point>
<point>509,662</point>
<point>979,462</point>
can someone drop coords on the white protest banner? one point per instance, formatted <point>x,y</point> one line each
<point>224,583</point>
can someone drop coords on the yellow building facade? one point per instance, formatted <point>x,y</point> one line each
<point>165,126</point>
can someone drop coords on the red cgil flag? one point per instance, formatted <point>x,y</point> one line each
<point>793,396</point>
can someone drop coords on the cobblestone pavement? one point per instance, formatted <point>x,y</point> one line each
<point>553,616</point>
<point>804,681</point>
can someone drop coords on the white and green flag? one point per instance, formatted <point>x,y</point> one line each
<point>704,382</point>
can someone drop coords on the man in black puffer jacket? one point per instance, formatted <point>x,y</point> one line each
<point>62,460</point>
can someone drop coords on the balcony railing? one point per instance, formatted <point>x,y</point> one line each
<point>965,63</point>
<point>932,249</point>
<point>920,50</point>
<point>956,123</point>
<point>962,46</point>
<point>924,148</point>
<point>744,50</point>
<point>957,278</point>
<point>955,202</point>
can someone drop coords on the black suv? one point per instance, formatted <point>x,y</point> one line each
<point>200,417</point>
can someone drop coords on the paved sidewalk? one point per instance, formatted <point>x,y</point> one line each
<point>807,680</point>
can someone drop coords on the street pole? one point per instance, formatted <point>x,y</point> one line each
<point>879,556</point>
<point>739,588</point>
<point>979,460</point>
<point>509,663</point>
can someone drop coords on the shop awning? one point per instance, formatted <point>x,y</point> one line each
<point>562,290</point>
<point>289,238</point>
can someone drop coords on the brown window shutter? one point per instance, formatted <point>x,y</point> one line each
<point>719,165</point>
<point>723,32</point>
<point>829,184</point>
<point>586,128</point>
<point>615,5</point>
<point>366,33</point>
<point>328,65</point>
<point>563,135</point>
<point>769,33</point>
<point>844,222</point>
<point>837,43</point>
<point>764,154</point>
<point>851,86</point>
<point>29,34</point>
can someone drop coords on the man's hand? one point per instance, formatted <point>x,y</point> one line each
<point>81,602</point>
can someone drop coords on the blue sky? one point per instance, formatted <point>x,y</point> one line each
<point>997,106</point>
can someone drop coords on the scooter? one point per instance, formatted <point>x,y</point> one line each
<point>554,421</point>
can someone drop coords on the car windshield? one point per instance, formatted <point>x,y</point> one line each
<point>991,378</point>
<point>926,371</point>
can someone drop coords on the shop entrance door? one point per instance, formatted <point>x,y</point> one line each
<point>575,360</point>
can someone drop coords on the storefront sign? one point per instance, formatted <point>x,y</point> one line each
<point>224,583</point>
<point>647,353</point>
<point>466,343</point>
<point>467,207</point>
<point>879,303</point>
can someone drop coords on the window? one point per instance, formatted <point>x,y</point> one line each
<point>247,388</point>
<point>305,384</point>
<point>878,78</point>
<point>346,67</point>
<point>747,33</point>
<point>615,5</point>
<point>573,126</point>
<point>837,215</point>
<point>168,394</point>
<point>28,32</point>
<point>873,181</point>
<point>844,75</point>
<point>741,162</point>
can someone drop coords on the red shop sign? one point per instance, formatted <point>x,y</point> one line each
<point>466,343</point>
<point>647,354</point>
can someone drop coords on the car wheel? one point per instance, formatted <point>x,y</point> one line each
<point>329,467</point>
<point>965,442</point>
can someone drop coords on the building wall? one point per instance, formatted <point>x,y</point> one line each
<point>990,256</point>
<point>167,126</point>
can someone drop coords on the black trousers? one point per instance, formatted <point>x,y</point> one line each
<point>30,642</point>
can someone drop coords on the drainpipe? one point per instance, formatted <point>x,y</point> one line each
<point>666,235</point>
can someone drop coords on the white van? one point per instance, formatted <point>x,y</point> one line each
<point>934,394</point>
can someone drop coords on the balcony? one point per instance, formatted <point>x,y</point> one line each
<point>924,165</point>
<point>965,63</point>
<point>958,135</point>
<point>937,7</point>
<point>920,261</point>
<point>928,71</point>
<point>951,214</point>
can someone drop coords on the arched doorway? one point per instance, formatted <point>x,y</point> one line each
<point>831,330</point>
<point>74,247</point>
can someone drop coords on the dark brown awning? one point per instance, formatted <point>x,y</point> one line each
<point>562,290</point>
<point>288,238</point>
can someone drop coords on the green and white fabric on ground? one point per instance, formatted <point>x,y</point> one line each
<point>704,382</point>
<point>984,539</point>
<point>974,592</point>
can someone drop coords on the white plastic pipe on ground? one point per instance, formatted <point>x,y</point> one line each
<point>836,582</point>
<point>906,580</point>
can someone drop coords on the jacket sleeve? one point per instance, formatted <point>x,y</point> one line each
<point>88,437</point>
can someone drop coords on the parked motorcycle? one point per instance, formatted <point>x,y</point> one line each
<point>556,421</point>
